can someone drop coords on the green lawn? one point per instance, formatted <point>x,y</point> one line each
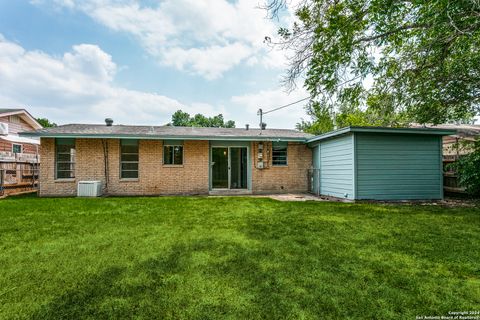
<point>201,258</point>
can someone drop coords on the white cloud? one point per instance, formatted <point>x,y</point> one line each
<point>210,62</point>
<point>79,87</point>
<point>92,61</point>
<point>204,37</point>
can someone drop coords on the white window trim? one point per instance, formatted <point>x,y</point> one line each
<point>17,144</point>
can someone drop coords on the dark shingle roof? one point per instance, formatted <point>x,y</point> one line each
<point>168,132</point>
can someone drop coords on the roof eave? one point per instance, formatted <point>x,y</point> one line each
<point>159,137</point>
<point>425,131</point>
<point>28,117</point>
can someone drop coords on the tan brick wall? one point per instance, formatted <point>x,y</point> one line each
<point>156,178</point>
<point>290,178</point>
<point>48,185</point>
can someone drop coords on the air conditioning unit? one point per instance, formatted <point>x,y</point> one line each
<point>3,128</point>
<point>89,189</point>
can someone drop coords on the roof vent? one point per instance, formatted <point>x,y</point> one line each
<point>264,125</point>
<point>109,122</point>
<point>247,126</point>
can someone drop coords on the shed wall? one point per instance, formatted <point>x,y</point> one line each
<point>334,158</point>
<point>398,167</point>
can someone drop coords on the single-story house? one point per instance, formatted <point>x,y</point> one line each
<point>351,163</point>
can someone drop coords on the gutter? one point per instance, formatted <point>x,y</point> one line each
<point>156,137</point>
<point>422,131</point>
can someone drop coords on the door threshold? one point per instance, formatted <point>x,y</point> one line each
<point>229,192</point>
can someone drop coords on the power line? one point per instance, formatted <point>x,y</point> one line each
<point>284,106</point>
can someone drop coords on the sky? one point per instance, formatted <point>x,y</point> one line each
<point>80,61</point>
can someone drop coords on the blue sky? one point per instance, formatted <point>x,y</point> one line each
<point>79,61</point>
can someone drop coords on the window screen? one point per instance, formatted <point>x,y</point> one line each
<point>64,158</point>
<point>279,154</point>
<point>129,159</point>
<point>173,155</point>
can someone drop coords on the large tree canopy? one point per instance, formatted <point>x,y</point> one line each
<point>183,119</point>
<point>386,60</point>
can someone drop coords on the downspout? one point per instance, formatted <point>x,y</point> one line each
<point>105,161</point>
<point>36,169</point>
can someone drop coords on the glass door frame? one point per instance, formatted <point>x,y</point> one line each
<point>229,146</point>
<point>212,163</point>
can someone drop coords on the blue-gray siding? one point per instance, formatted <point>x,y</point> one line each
<point>398,167</point>
<point>334,158</point>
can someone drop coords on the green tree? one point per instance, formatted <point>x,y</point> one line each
<point>468,168</point>
<point>44,122</point>
<point>183,119</point>
<point>420,58</point>
<point>422,55</point>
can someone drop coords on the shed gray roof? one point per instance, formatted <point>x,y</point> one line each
<point>167,132</point>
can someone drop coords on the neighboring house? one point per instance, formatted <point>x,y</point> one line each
<point>19,156</point>
<point>13,121</point>
<point>352,163</point>
<point>455,146</point>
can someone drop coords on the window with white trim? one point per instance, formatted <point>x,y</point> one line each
<point>129,159</point>
<point>64,158</point>
<point>172,153</point>
<point>279,153</point>
<point>16,148</point>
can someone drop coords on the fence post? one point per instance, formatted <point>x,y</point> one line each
<point>2,178</point>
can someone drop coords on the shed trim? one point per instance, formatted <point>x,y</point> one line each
<point>427,131</point>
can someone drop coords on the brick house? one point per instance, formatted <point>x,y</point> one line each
<point>13,121</point>
<point>146,160</point>
<point>161,160</point>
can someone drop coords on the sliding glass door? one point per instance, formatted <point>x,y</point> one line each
<point>229,168</point>
<point>220,168</point>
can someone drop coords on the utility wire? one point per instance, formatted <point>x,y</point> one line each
<point>295,102</point>
<point>287,105</point>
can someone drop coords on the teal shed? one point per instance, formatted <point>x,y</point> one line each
<point>372,163</point>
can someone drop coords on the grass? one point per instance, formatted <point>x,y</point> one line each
<point>251,258</point>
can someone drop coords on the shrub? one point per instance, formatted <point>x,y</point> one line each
<point>468,169</point>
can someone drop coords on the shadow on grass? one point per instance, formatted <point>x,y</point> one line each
<point>283,268</point>
<point>202,279</point>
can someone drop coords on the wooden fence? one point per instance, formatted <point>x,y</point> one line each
<point>18,173</point>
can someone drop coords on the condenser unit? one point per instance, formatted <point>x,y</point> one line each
<point>89,189</point>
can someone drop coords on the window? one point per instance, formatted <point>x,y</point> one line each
<point>64,158</point>
<point>129,159</point>
<point>279,153</point>
<point>16,148</point>
<point>172,153</point>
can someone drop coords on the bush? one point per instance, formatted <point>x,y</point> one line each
<point>468,170</point>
